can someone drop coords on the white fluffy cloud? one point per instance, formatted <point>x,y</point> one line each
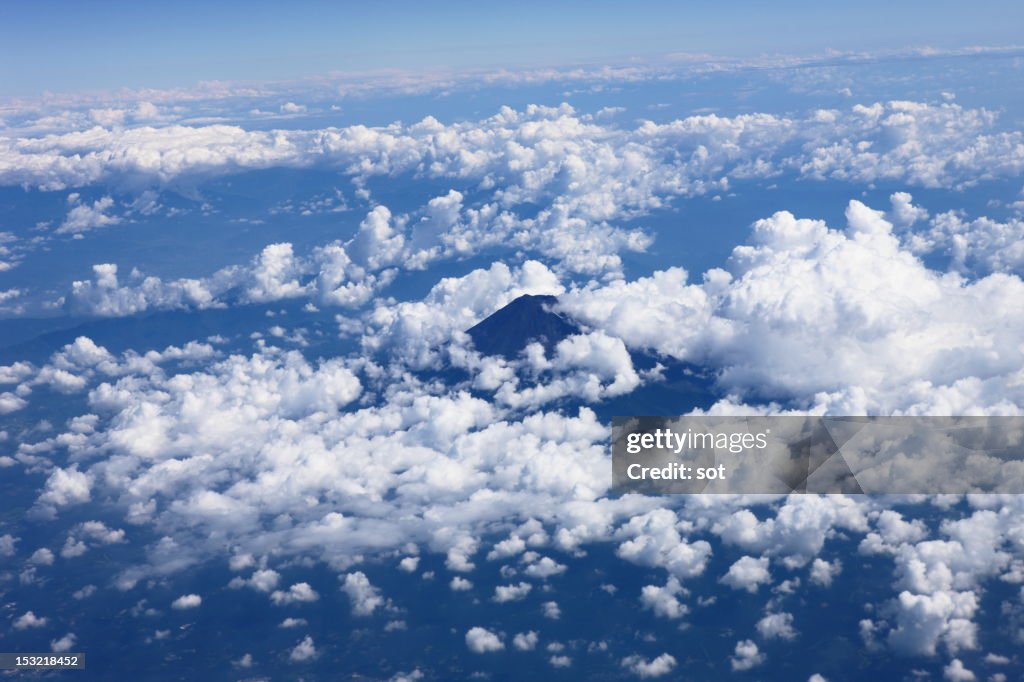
<point>9,402</point>
<point>64,644</point>
<point>83,216</point>
<point>585,177</point>
<point>364,597</point>
<point>297,593</point>
<point>66,487</point>
<point>525,641</point>
<point>460,584</point>
<point>263,580</point>
<point>327,274</point>
<point>481,641</point>
<point>587,180</point>
<point>545,568</point>
<point>533,149</point>
<point>104,294</point>
<point>90,534</point>
<point>281,429</point>
<point>656,540</point>
<point>776,626</point>
<point>746,656</point>
<point>8,544</point>
<point>304,650</point>
<point>980,246</point>
<point>663,601</point>
<point>824,572</point>
<point>642,668</point>
<point>187,601</point>
<point>901,337</point>
<point>938,580</point>
<point>747,573</point>
<point>956,672</point>
<point>507,593</point>
<point>29,621</point>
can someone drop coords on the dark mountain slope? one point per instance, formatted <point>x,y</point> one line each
<point>525,320</point>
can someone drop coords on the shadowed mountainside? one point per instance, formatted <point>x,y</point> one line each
<point>529,318</point>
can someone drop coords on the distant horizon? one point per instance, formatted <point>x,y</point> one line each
<point>366,82</point>
<point>67,47</point>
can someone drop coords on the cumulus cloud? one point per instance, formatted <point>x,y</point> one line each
<point>64,644</point>
<point>544,568</point>
<point>776,626</point>
<point>525,641</point>
<point>643,311</point>
<point>303,651</point>
<point>66,487</point>
<point>938,580</point>
<point>747,573</point>
<point>746,656</point>
<point>245,662</point>
<point>9,402</point>
<point>904,213</point>
<point>560,661</point>
<point>379,242</point>
<point>327,274</point>
<point>642,668</point>
<point>274,275</point>
<point>911,339</point>
<point>923,144</point>
<point>460,584</point>
<point>83,217</point>
<point>956,672</point>
<point>364,597</point>
<point>586,178</point>
<point>29,621</point>
<point>297,593</point>
<point>892,532</point>
<point>8,545</point>
<point>975,247</point>
<point>507,593</point>
<point>481,641</point>
<point>90,534</point>
<point>656,540</point>
<point>187,601</point>
<point>104,295</point>
<point>591,366</point>
<point>265,415</point>
<point>823,572</point>
<point>663,601</point>
<point>263,580</point>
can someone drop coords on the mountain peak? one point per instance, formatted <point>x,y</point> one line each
<point>529,318</point>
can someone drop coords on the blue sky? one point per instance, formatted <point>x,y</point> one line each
<point>68,46</point>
